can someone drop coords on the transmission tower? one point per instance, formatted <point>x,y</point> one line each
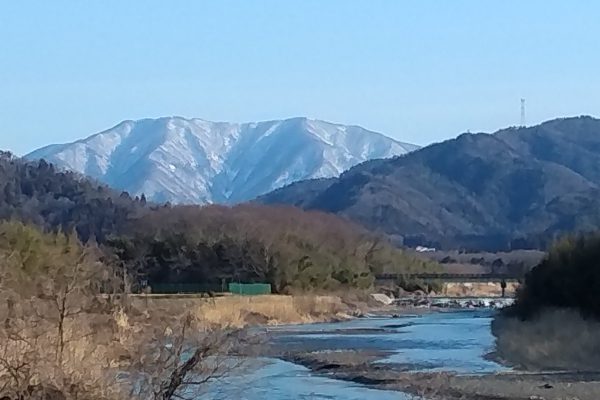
<point>522,112</point>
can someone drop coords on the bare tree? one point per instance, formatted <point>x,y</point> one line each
<point>175,363</point>
<point>61,337</point>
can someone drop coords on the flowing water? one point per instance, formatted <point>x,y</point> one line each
<point>449,341</point>
<point>281,380</point>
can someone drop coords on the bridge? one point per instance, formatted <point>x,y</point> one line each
<point>460,285</point>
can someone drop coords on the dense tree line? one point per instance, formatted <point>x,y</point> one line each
<point>569,277</point>
<point>36,193</point>
<point>285,246</point>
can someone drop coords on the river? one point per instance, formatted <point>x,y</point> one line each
<point>441,341</point>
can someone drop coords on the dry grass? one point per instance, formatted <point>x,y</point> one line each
<point>144,340</point>
<point>99,348</point>
<point>85,368</point>
<point>556,340</point>
<point>240,311</point>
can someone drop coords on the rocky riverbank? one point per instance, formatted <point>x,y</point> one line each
<point>395,354</point>
<point>363,367</point>
<point>454,302</point>
<point>420,300</point>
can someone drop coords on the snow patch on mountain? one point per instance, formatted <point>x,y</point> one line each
<point>197,161</point>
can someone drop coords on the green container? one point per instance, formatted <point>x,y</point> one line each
<point>250,289</point>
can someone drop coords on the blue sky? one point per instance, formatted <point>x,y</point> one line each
<point>420,71</point>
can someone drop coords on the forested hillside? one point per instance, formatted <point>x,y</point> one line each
<point>288,247</point>
<point>35,192</point>
<point>517,188</point>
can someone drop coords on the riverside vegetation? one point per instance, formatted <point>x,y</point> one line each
<point>68,331</point>
<point>555,321</point>
<point>64,334</point>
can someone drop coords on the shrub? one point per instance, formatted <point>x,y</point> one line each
<point>553,340</point>
<point>569,277</point>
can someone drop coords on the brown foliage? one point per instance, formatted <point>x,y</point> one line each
<point>62,337</point>
<point>288,247</point>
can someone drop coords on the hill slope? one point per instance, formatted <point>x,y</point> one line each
<point>36,193</point>
<point>208,245</point>
<point>196,161</point>
<point>516,188</point>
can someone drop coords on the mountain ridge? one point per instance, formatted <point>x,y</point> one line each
<point>198,161</point>
<point>519,186</point>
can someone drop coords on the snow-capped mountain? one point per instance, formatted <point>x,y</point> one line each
<point>196,161</point>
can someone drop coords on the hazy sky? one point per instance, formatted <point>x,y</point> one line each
<point>419,71</point>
